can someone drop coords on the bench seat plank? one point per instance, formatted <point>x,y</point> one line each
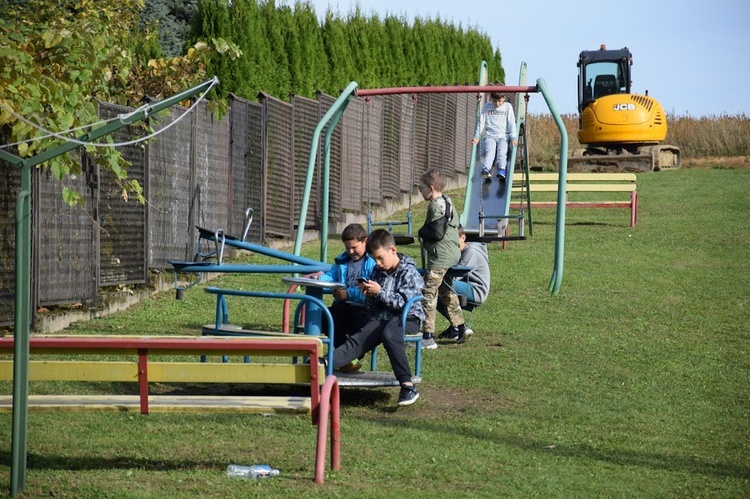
<point>580,188</point>
<point>322,403</point>
<point>164,372</point>
<point>62,370</point>
<point>580,177</point>
<point>579,204</point>
<point>164,403</point>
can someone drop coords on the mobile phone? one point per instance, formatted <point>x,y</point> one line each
<point>361,280</point>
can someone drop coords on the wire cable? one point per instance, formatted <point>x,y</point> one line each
<point>145,109</point>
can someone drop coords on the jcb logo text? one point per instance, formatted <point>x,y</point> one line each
<point>624,107</point>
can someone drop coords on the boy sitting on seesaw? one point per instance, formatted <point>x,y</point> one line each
<point>393,282</point>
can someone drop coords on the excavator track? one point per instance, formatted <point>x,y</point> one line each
<point>645,159</point>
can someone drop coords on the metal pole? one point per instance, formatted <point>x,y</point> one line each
<point>113,126</point>
<point>21,337</point>
<point>338,106</point>
<point>557,273</point>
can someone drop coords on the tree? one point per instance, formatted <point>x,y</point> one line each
<point>357,34</point>
<point>275,26</point>
<point>172,20</point>
<point>339,53</point>
<point>58,58</point>
<point>253,68</point>
<point>395,59</point>
<point>313,69</point>
<point>212,21</point>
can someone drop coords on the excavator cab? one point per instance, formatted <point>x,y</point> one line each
<point>602,72</point>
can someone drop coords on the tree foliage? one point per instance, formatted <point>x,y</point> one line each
<point>58,58</point>
<point>287,50</point>
<point>171,19</point>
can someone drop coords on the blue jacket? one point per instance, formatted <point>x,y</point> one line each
<point>338,274</point>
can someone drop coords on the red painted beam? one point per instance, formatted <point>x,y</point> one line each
<point>448,89</point>
<point>162,343</point>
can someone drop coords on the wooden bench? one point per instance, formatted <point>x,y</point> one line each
<point>581,182</point>
<point>140,368</point>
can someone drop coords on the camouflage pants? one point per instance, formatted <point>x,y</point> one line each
<point>438,285</point>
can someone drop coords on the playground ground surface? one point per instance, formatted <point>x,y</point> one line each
<point>634,381</point>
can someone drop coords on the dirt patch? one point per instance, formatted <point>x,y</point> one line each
<point>451,400</point>
<point>434,402</point>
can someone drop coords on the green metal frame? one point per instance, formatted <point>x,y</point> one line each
<point>19,439</point>
<point>333,115</point>
<point>562,167</point>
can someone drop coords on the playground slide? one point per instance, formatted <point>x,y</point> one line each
<point>487,203</point>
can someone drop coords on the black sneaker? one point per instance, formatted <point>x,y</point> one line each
<point>451,333</point>
<point>408,395</point>
<point>486,173</point>
<point>464,333</point>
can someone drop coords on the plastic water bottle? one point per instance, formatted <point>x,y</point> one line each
<point>253,472</point>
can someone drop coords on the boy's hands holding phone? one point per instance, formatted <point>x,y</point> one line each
<point>368,287</point>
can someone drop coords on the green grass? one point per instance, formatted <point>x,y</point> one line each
<point>632,382</point>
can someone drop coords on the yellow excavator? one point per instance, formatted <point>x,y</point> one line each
<point>621,130</point>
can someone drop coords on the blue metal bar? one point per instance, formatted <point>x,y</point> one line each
<point>263,250</point>
<point>418,342</point>
<point>390,225</point>
<point>250,268</point>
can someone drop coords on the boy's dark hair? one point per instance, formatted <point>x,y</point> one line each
<point>496,96</point>
<point>460,230</point>
<point>380,238</point>
<point>352,232</point>
<point>433,178</point>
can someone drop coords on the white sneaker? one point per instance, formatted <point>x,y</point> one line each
<point>429,344</point>
<point>408,395</point>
